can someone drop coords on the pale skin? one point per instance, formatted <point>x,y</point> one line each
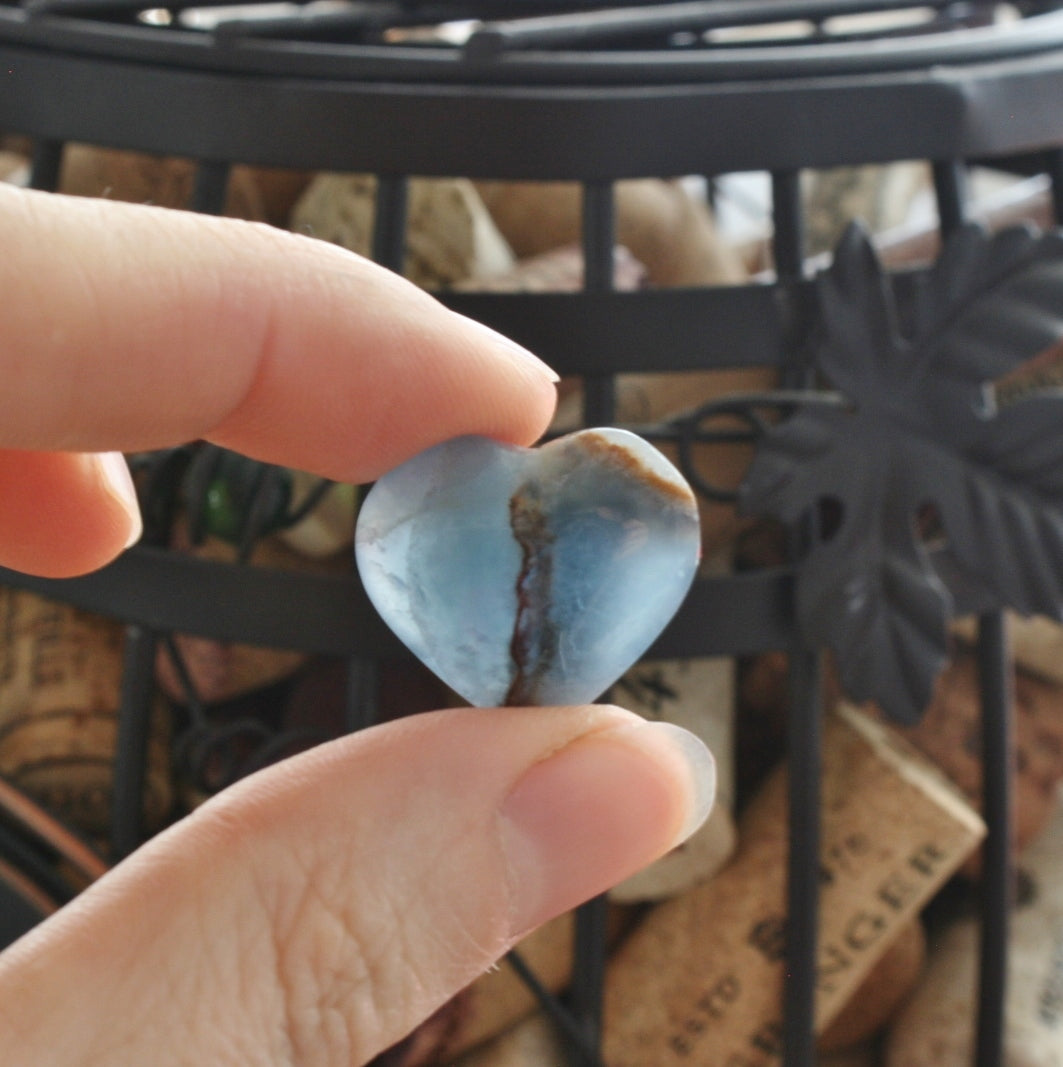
<point>317,911</point>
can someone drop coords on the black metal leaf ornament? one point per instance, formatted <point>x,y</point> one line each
<point>952,428</point>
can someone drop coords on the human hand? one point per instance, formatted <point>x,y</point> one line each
<point>318,910</point>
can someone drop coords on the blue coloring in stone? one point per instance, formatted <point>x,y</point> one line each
<point>530,576</point>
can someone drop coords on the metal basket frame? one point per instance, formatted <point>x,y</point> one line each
<point>593,119</point>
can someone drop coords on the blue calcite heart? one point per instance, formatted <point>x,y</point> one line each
<point>530,576</point>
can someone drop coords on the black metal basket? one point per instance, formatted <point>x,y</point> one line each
<point>545,90</point>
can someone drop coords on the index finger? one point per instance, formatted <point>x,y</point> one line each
<point>128,327</point>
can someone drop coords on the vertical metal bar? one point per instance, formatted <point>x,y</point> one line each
<point>211,186</point>
<point>554,1010</point>
<point>788,251</point>
<point>587,988</point>
<point>389,222</point>
<point>950,190</point>
<point>1054,167</point>
<point>998,757</point>
<point>361,707</point>
<point>804,729</point>
<point>362,703</point>
<point>804,726</point>
<point>46,165</point>
<point>131,743</point>
<point>788,235</point>
<point>599,238</point>
<point>599,406</point>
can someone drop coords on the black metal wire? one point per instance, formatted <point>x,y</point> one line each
<point>576,1039</point>
<point>586,991</point>
<point>389,222</point>
<point>211,185</point>
<point>186,481</point>
<point>788,237</point>
<point>994,671</point>
<point>804,746</point>
<point>1054,167</point>
<point>28,859</point>
<point>546,43</point>
<point>598,242</point>
<point>950,188</point>
<point>362,694</point>
<point>751,409</point>
<point>258,515</point>
<point>655,23</point>
<point>307,505</point>
<point>997,882</point>
<point>804,722</point>
<point>212,752</point>
<point>203,466</point>
<point>45,165</point>
<point>131,742</point>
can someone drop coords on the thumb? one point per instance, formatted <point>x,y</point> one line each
<point>319,910</point>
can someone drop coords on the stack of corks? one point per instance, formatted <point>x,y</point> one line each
<point>936,1025</point>
<point>695,969</point>
<point>60,684</point>
<point>934,1022</point>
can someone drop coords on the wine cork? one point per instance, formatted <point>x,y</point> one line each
<point>277,190</point>
<point>666,228</point>
<point>1036,643</point>
<point>60,680</point>
<point>859,1056</point>
<point>536,1042</point>
<point>557,271</point>
<point>881,993</point>
<point>222,670</point>
<point>449,234</point>
<point>700,980</point>
<point>14,168</point>
<point>500,999</point>
<point>166,181</point>
<point>765,693</point>
<point>880,195</point>
<point>329,527</point>
<point>950,733</point>
<point>531,1043</point>
<point>697,694</point>
<point>936,1026</point>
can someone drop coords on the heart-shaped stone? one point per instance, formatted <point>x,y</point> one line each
<point>530,576</point>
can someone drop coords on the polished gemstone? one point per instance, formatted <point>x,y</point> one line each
<point>530,576</point>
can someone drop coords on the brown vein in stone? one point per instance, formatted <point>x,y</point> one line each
<point>609,454</point>
<point>534,641</point>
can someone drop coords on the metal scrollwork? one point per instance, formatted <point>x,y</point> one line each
<point>217,493</point>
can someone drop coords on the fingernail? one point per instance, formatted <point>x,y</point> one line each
<point>114,473</point>
<point>517,353</point>
<point>599,809</point>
